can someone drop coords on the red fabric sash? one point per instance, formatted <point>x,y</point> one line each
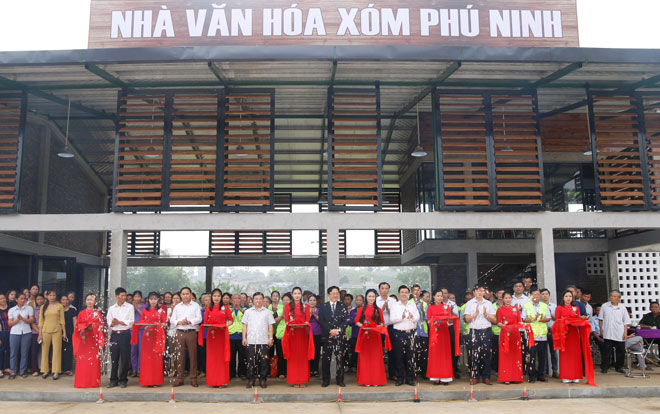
<point>85,320</point>
<point>381,330</point>
<point>200,337</point>
<point>505,334</point>
<point>286,341</point>
<point>151,329</point>
<point>433,333</point>
<point>559,332</point>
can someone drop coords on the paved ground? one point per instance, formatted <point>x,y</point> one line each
<point>590,405</point>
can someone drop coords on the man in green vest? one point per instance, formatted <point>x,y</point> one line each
<point>537,314</point>
<point>236,340</point>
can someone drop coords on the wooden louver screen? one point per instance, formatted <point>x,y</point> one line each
<point>248,140</point>
<point>517,147</point>
<point>139,151</point>
<point>615,134</point>
<point>489,150</point>
<point>652,123</point>
<point>138,243</point>
<point>195,150</point>
<point>12,124</point>
<point>389,241</point>
<point>270,242</point>
<point>354,153</point>
<point>194,143</point>
<point>464,150</point>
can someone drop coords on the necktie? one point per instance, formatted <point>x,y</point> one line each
<point>333,308</point>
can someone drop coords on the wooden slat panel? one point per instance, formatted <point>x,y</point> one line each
<point>618,156</point>
<point>516,151</point>
<point>652,122</point>
<point>247,149</point>
<point>9,149</point>
<point>348,188</point>
<point>140,150</point>
<point>463,134</point>
<point>194,127</point>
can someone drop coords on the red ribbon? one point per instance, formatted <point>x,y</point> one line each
<point>508,329</point>
<point>85,320</point>
<point>436,322</point>
<point>286,341</point>
<point>559,332</point>
<point>208,323</point>
<point>151,322</point>
<point>368,327</point>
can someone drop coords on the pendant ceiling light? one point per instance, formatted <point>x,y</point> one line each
<point>66,152</point>
<point>418,152</point>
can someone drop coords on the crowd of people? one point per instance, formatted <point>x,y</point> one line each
<point>401,336</point>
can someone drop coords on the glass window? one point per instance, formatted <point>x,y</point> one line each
<point>53,274</point>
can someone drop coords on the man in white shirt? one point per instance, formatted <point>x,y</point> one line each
<point>20,333</point>
<point>385,302</point>
<point>519,298</point>
<point>404,316</point>
<point>120,319</point>
<point>186,316</point>
<point>258,338</point>
<point>479,315</point>
<point>552,307</point>
<point>613,321</point>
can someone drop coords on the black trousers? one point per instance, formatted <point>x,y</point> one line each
<point>237,358</point>
<point>120,353</point>
<point>336,346</point>
<point>479,354</point>
<point>281,362</point>
<point>495,347</point>
<point>391,355</point>
<point>314,363</point>
<point>620,347</point>
<point>67,354</point>
<point>404,349</point>
<point>538,355</point>
<point>454,359</point>
<point>257,362</point>
<point>421,354</point>
<point>201,357</point>
<point>351,355</point>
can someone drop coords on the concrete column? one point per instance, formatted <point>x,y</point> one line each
<point>332,244</point>
<point>321,267</point>
<point>545,261</point>
<point>44,173</point>
<point>433,270</point>
<point>472,272</point>
<point>209,275</point>
<point>612,271</point>
<point>118,262</point>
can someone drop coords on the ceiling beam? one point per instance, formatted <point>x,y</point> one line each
<point>103,74</point>
<point>652,81</point>
<point>446,73</point>
<point>12,84</point>
<point>217,73</point>
<point>555,75</point>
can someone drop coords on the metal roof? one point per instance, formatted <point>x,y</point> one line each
<point>300,99</point>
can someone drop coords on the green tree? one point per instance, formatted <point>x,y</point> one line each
<point>415,275</point>
<point>158,279</point>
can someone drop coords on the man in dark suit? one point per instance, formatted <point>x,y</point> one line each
<point>333,318</point>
